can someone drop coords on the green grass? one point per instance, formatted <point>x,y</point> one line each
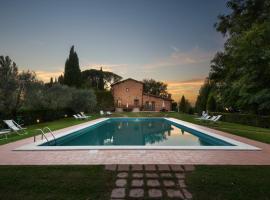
<point>255,133</point>
<point>55,182</point>
<point>230,183</point>
<point>54,125</point>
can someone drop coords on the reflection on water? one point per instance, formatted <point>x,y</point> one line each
<point>154,132</point>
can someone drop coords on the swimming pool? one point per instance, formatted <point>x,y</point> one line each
<point>140,133</point>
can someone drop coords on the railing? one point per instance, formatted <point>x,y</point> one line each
<point>43,134</point>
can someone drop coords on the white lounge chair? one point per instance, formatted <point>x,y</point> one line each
<point>15,127</point>
<point>205,117</point>
<point>78,117</point>
<point>211,118</point>
<point>83,115</point>
<point>4,132</point>
<point>217,118</point>
<point>108,113</point>
<point>101,112</point>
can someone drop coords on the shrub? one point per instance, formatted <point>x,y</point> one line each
<point>247,119</point>
<point>82,100</point>
<point>105,100</point>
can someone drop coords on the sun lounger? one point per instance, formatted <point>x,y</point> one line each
<point>15,127</point>
<point>83,115</point>
<point>78,117</point>
<point>4,132</point>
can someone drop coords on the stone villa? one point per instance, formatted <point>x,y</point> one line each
<point>128,95</point>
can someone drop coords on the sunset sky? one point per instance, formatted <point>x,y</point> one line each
<point>169,40</point>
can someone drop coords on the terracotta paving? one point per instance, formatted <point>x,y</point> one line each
<point>85,157</point>
<point>160,187</point>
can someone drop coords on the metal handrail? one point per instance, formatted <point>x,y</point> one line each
<point>43,134</point>
<point>47,128</point>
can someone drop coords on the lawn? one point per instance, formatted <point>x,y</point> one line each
<point>55,182</point>
<point>230,183</point>
<point>251,132</point>
<point>93,182</point>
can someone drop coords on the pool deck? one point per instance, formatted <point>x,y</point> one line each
<point>95,157</point>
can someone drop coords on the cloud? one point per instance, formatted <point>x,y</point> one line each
<point>189,88</point>
<point>180,58</point>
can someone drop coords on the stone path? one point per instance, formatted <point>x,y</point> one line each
<point>150,181</point>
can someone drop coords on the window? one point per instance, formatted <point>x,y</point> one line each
<point>127,89</point>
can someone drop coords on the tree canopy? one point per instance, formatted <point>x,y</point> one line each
<point>158,88</point>
<point>240,74</point>
<point>99,79</point>
<point>72,73</point>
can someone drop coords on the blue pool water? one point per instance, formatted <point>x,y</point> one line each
<point>138,132</point>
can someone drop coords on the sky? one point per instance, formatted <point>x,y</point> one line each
<point>167,40</point>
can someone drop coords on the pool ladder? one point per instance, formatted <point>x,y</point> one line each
<point>43,132</point>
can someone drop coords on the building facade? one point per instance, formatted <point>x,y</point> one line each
<point>128,94</point>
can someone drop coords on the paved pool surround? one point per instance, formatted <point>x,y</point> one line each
<point>136,156</point>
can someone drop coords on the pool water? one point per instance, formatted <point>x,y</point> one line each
<point>137,132</point>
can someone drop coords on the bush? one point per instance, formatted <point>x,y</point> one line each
<point>82,100</point>
<point>104,100</point>
<point>247,119</point>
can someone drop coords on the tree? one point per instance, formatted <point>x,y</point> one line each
<point>90,78</point>
<point>203,96</point>
<point>83,100</point>
<point>61,79</point>
<point>150,86</point>
<point>101,80</point>
<point>182,104</point>
<point>211,104</point>
<point>9,85</point>
<point>72,73</point>
<point>241,73</point>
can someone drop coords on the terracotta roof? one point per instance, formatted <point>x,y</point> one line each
<point>129,79</point>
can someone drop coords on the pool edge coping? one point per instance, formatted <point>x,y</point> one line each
<point>34,146</point>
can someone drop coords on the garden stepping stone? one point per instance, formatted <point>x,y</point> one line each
<point>150,167</point>
<point>123,167</point>
<point>121,182</point>
<point>174,193</point>
<point>118,193</point>
<point>166,175</point>
<point>122,175</point>
<point>155,193</point>
<point>136,193</point>
<point>168,183</point>
<point>136,167</point>
<point>182,184</point>
<point>137,183</point>
<point>137,175</point>
<point>163,168</point>
<point>176,168</point>
<point>151,175</point>
<point>110,167</point>
<point>153,183</point>
<point>180,175</point>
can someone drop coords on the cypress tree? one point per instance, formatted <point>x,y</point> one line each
<point>182,104</point>
<point>101,80</point>
<point>72,74</point>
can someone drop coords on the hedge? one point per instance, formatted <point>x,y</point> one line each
<point>247,119</point>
